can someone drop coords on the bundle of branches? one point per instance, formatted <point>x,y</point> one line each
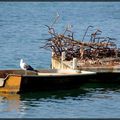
<point>96,48</point>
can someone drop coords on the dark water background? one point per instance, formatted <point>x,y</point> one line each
<point>22,32</point>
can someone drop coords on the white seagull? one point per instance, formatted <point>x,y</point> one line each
<point>25,66</point>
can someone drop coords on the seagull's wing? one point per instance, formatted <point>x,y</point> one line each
<point>28,67</point>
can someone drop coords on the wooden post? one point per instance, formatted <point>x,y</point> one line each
<point>62,59</point>
<point>63,56</point>
<point>52,61</point>
<point>74,63</point>
<point>52,53</point>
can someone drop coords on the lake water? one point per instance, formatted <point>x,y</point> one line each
<point>22,33</point>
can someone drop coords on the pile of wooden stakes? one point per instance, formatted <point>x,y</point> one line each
<point>96,48</point>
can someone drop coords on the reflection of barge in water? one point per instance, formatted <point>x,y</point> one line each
<point>15,81</point>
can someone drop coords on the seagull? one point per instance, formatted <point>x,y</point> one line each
<point>25,66</point>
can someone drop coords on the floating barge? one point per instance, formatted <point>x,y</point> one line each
<point>16,81</point>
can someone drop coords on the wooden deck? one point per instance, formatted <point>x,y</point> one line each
<point>58,64</point>
<point>17,81</point>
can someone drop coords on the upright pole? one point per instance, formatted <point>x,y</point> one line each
<point>62,59</point>
<point>74,63</point>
